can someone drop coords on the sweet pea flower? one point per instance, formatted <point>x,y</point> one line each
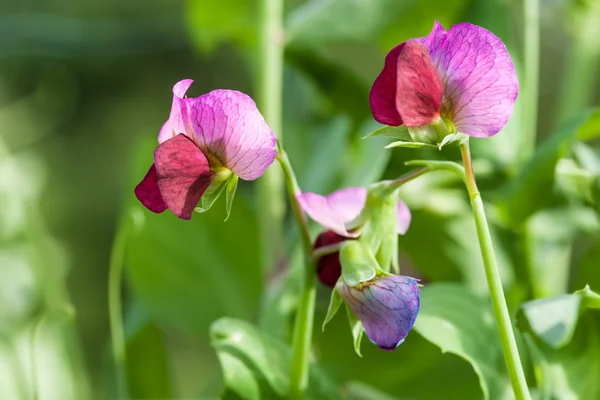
<point>462,81</point>
<point>387,306</point>
<point>336,212</point>
<point>205,140</point>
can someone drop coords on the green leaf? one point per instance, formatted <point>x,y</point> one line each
<point>590,298</point>
<point>357,330</point>
<point>532,189</point>
<point>358,262</point>
<point>212,22</point>
<point>317,22</point>
<point>574,181</point>
<point>334,305</point>
<point>230,194</point>
<point>411,145</point>
<point>396,132</point>
<point>449,314</point>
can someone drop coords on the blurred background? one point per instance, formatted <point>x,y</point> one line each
<point>84,90</point>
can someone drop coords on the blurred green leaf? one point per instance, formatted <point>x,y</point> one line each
<point>449,314</point>
<point>532,189</point>
<point>410,145</point>
<point>333,21</point>
<point>574,181</point>
<point>212,22</point>
<point>232,184</point>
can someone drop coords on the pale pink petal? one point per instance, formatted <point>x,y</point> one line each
<point>480,83</point>
<point>174,125</point>
<point>148,193</point>
<point>226,125</point>
<point>403,218</point>
<point>183,174</point>
<point>336,210</point>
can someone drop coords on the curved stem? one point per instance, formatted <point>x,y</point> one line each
<point>505,329</point>
<point>305,317</point>
<point>326,250</point>
<point>117,334</point>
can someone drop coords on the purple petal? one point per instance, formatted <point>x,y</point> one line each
<point>386,306</point>
<point>183,174</point>
<point>403,218</point>
<point>227,126</point>
<point>480,83</point>
<point>336,210</point>
<point>174,125</point>
<point>148,193</point>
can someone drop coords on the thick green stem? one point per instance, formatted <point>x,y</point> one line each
<point>306,308</point>
<point>117,334</point>
<point>505,328</point>
<point>269,96</point>
<point>531,48</point>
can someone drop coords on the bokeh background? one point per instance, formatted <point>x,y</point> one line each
<point>84,89</point>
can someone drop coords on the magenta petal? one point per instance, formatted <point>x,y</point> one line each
<point>183,174</point>
<point>336,210</point>
<point>403,218</point>
<point>382,97</point>
<point>227,125</point>
<point>386,306</point>
<point>480,83</point>
<point>174,125</point>
<point>148,194</point>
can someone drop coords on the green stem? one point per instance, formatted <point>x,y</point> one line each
<point>326,250</point>
<point>505,329</point>
<point>305,317</point>
<point>531,47</point>
<point>269,96</point>
<point>115,274</point>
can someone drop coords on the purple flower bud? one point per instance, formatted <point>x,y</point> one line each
<point>387,306</point>
<point>329,268</point>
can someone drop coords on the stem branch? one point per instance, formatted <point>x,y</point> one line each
<point>505,329</point>
<point>305,317</point>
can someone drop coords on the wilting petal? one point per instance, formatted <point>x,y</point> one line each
<point>336,210</point>
<point>148,194</point>
<point>183,174</point>
<point>408,91</point>
<point>480,83</point>
<point>403,218</point>
<point>174,125</point>
<point>386,306</point>
<point>227,126</point>
<point>329,268</point>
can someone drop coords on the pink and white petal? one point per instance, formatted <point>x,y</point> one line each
<point>227,125</point>
<point>382,97</point>
<point>403,218</point>
<point>175,124</point>
<point>335,210</point>
<point>480,83</point>
<point>148,193</point>
<point>183,174</point>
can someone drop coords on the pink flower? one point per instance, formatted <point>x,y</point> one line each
<point>219,133</point>
<point>465,76</point>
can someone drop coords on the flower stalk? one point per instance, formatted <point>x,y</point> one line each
<point>303,325</point>
<point>505,328</point>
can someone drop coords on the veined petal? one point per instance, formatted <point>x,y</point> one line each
<point>403,218</point>
<point>386,306</point>
<point>226,125</point>
<point>408,91</point>
<point>148,193</point>
<point>336,210</point>
<point>183,174</point>
<point>174,125</point>
<point>480,83</point>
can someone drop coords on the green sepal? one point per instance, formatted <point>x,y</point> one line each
<point>410,145</point>
<point>230,194</point>
<point>212,193</point>
<point>334,305</point>
<point>356,328</point>
<point>358,262</point>
<point>380,232</point>
<point>396,132</point>
<point>453,140</point>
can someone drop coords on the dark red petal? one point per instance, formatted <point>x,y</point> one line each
<point>329,268</point>
<point>148,194</point>
<point>419,88</point>
<point>383,93</point>
<point>183,174</point>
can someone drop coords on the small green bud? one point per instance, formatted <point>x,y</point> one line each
<point>358,262</point>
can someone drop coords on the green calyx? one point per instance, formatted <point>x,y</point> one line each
<point>223,178</point>
<point>358,262</point>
